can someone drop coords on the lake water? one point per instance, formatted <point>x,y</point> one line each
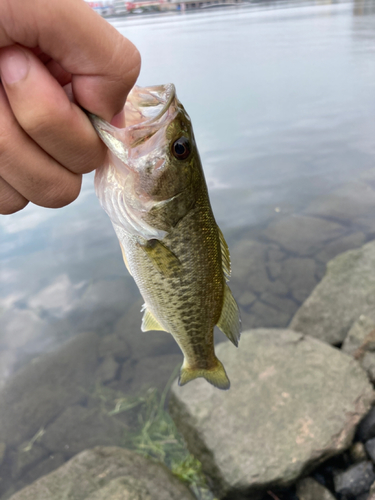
<point>282,101</point>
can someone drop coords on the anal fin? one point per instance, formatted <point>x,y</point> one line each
<point>230,320</point>
<point>149,322</point>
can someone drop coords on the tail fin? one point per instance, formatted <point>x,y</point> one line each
<point>215,376</point>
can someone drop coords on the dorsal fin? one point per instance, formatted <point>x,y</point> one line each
<point>149,322</point>
<point>230,320</point>
<point>225,257</point>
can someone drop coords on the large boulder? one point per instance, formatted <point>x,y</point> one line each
<point>107,473</point>
<point>294,402</point>
<point>346,291</point>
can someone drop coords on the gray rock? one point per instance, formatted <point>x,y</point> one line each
<point>357,452</point>
<point>356,480</point>
<point>275,257</point>
<point>123,488</point>
<point>27,455</point>
<point>280,303</point>
<point>154,372</point>
<point>78,428</point>
<point>262,314</point>
<point>309,489</point>
<point>249,270</point>
<point>279,380</point>
<point>364,496</point>
<point>39,392</point>
<point>345,203</point>
<point>303,235</point>
<point>372,492</point>
<point>3,448</point>
<point>346,292</point>
<point>349,242</point>
<point>246,298</point>
<point>358,334</point>
<point>368,364</point>
<point>366,429</point>
<point>299,276</point>
<point>112,345</point>
<point>107,370</point>
<point>143,344</point>
<point>49,464</point>
<point>103,474</point>
<point>370,448</point>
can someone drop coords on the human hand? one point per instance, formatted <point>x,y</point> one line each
<point>56,56</point>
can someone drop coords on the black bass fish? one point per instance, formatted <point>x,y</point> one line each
<point>153,188</point>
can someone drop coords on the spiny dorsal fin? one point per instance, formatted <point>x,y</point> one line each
<point>230,320</point>
<point>162,258</point>
<point>225,257</point>
<point>149,322</point>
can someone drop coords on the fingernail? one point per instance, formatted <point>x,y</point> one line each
<point>14,65</point>
<point>119,120</point>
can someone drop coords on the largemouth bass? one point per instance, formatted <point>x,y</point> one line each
<point>153,188</point>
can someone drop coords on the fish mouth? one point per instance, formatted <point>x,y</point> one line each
<point>147,106</point>
<point>148,111</point>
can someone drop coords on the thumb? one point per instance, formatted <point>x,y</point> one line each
<point>103,64</point>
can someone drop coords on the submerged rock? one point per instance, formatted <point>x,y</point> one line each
<point>143,344</point>
<point>78,428</point>
<point>39,392</point>
<point>107,473</point>
<point>303,235</point>
<point>294,402</point>
<point>346,291</point>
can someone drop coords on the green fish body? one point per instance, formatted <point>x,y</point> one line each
<point>153,188</point>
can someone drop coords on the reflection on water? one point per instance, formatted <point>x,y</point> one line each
<point>283,106</point>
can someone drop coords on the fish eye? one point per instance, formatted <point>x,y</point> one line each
<point>181,148</point>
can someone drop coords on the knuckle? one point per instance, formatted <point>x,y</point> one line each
<point>36,122</point>
<point>43,121</point>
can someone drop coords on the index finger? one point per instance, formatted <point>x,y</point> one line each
<point>104,65</point>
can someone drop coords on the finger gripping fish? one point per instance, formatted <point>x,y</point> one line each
<point>152,187</point>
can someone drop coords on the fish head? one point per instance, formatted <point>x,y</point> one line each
<point>152,171</point>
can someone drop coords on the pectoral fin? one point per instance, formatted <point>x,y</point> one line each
<point>149,322</point>
<point>230,320</point>
<point>162,258</point>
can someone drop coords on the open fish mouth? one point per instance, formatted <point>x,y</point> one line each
<point>148,110</point>
<point>146,106</point>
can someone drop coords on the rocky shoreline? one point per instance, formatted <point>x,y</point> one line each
<point>297,424</point>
